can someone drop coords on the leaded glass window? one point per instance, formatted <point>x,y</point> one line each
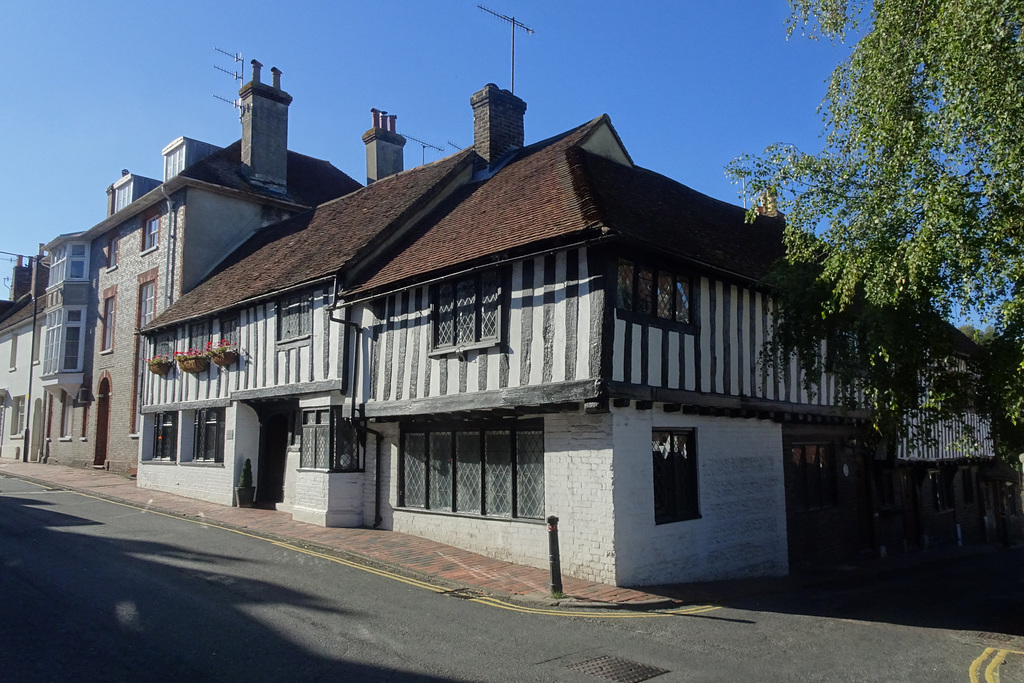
<point>468,310</point>
<point>294,318</point>
<point>329,441</point>
<point>165,441</point>
<point>624,297</point>
<point>495,472</point>
<point>209,435</point>
<point>682,299</point>
<point>660,294</point>
<point>674,458</point>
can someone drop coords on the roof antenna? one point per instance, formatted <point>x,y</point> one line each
<point>515,24</point>
<point>423,147</point>
<point>237,75</point>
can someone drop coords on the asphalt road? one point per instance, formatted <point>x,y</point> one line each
<point>96,591</point>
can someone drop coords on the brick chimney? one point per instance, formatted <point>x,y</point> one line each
<point>21,279</point>
<point>265,129</point>
<point>384,145</point>
<point>497,122</point>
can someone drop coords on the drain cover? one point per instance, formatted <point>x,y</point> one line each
<point>619,670</point>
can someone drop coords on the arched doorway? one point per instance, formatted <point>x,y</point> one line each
<point>102,422</point>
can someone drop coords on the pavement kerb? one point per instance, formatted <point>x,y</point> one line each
<point>536,599</point>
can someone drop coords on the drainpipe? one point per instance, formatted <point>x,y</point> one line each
<point>357,330</point>
<point>26,443</point>
<point>172,228</point>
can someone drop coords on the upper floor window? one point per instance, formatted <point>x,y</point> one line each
<point>122,196</point>
<point>69,262</point>
<point>150,233</point>
<point>229,329</point>
<point>294,318</point>
<point>199,335</point>
<point>14,350</point>
<point>468,311</point>
<point>109,313</point>
<point>112,248</point>
<point>62,347</point>
<point>147,302</point>
<point>653,292</point>
<point>174,162</point>
<point>165,344</point>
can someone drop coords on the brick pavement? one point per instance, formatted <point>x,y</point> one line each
<point>404,553</point>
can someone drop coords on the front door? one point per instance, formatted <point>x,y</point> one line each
<point>273,459</point>
<point>102,422</point>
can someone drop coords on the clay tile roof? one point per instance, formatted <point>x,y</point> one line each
<point>315,244</point>
<point>556,189</point>
<point>310,181</point>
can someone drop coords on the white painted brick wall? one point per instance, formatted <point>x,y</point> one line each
<point>328,499</point>
<point>742,529</point>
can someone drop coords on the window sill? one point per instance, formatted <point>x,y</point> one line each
<point>654,321</point>
<point>161,463</point>
<point>294,341</point>
<point>107,352</point>
<point>316,470</point>
<point>149,251</point>
<point>673,520</point>
<point>468,515</point>
<point>134,436</point>
<point>83,439</point>
<point>65,439</point>
<point>111,269</point>
<point>202,463</point>
<point>455,350</point>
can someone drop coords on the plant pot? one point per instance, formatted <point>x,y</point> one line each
<point>224,358</point>
<point>160,368</point>
<point>193,363</point>
<point>244,496</point>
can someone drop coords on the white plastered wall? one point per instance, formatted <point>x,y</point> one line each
<point>742,528</point>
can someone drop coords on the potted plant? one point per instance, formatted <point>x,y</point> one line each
<point>223,353</point>
<point>245,492</point>
<point>159,365</point>
<point>192,360</point>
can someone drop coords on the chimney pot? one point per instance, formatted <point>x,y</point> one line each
<point>376,116</point>
<point>277,77</point>
<point>256,66</point>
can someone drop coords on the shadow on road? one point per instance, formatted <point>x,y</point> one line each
<point>79,606</point>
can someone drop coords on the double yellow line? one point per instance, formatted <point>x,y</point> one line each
<point>490,602</point>
<point>992,670</point>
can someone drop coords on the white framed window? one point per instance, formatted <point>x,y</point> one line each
<point>63,346</point>
<point>147,302</point>
<point>165,437</point>
<point>18,416</point>
<point>123,195</point>
<point>209,435</point>
<point>174,162</point>
<point>109,315</point>
<point>150,233</point>
<point>14,350</point>
<point>69,262</point>
<point>112,251</point>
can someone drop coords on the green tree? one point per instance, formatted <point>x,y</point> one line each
<point>913,211</point>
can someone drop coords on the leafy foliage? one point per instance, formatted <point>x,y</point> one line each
<point>913,212</point>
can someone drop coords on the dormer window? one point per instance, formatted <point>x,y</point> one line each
<point>69,262</point>
<point>123,195</point>
<point>174,162</point>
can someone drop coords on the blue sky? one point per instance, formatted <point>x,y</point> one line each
<point>90,88</point>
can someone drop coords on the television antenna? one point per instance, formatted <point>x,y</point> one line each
<point>423,147</point>
<point>239,76</point>
<point>454,146</point>
<point>515,24</point>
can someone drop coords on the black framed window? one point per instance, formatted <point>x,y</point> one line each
<point>653,292</point>
<point>329,441</point>
<point>294,318</point>
<point>229,329</point>
<point>674,456</point>
<point>165,438</point>
<point>942,490</point>
<point>209,435</point>
<point>199,335</point>
<point>468,310</point>
<point>491,471</point>
<point>967,477</point>
<point>814,476</point>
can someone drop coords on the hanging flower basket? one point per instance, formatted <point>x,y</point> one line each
<point>159,365</point>
<point>192,360</point>
<point>224,358</point>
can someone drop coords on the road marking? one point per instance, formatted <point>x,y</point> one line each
<point>992,670</point>
<point>490,602</point>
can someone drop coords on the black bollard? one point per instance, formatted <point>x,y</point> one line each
<point>556,563</point>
